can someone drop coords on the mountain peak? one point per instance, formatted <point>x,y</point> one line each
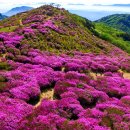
<point>21,8</point>
<point>2,16</point>
<point>16,10</point>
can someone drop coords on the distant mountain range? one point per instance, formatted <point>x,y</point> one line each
<point>2,16</point>
<point>92,14</point>
<point>17,10</point>
<point>118,21</point>
<point>123,5</point>
<point>126,5</point>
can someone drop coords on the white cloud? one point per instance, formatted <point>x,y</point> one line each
<point>65,1</point>
<point>8,4</point>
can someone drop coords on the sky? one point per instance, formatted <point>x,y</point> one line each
<point>73,4</point>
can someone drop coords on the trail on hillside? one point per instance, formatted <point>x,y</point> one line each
<point>46,94</point>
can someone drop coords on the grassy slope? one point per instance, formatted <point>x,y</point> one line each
<point>118,21</point>
<point>115,36</point>
<point>82,40</point>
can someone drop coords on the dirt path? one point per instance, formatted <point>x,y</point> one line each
<point>49,93</point>
<point>3,56</point>
<point>20,22</point>
<point>46,94</point>
<point>126,75</point>
<point>94,75</point>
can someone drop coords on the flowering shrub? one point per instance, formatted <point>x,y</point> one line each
<point>81,101</point>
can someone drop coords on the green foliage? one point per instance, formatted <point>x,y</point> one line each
<point>118,21</point>
<point>2,86</point>
<point>8,29</point>
<point>80,85</point>
<point>113,35</point>
<point>2,78</point>
<point>82,21</point>
<point>116,111</point>
<point>106,121</point>
<point>4,66</point>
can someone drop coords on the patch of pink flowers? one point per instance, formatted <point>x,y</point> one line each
<point>81,102</point>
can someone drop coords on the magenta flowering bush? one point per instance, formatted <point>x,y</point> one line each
<point>80,101</point>
<point>12,111</point>
<point>33,18</point>
<point>115,86</point>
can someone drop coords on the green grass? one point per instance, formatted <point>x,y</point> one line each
<point>4,66</point>
<point>8,29</point>
<point>113,35</point>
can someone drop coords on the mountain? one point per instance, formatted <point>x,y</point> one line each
<point>56,29</point>
<point>118,21</point>
<point>56,74</point>
<point>115,36</point>
<point>2,16</point>
<point>117,5</point>
<point>121,5</point>
<point>16,10</point>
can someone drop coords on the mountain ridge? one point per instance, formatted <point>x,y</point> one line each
<point>2,16</point>
<point>119,5</point>
<point>17,10</point>
<point>118,21</point>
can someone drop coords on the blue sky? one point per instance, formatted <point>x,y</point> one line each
<point>75,4</point>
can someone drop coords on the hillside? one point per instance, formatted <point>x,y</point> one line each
<point>17,10</point>
<point>55,74</point>
<point>118,21</point>
<point>2,16</point>
<point>55,30</point>
<point>114,36</point>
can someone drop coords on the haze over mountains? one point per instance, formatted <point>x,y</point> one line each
<point>16,10</point>
<point>98,11</point>
<point>119,5</point>
<point>92,14</point>
<point>2,16</point>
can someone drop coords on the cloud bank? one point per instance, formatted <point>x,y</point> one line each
<point>75,4</point>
